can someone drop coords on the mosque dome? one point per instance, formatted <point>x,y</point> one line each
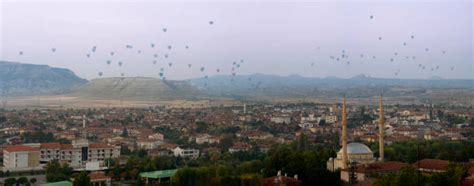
<point>357,148</point>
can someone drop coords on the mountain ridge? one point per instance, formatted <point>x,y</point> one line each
<point>30,79</point>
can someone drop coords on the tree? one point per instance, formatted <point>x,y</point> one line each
<point>10,182</point>
<point>22,180</point>
<point>55,172</point>
<point>322,123</point>
<point>452,176</point>
<point>226,142</point>
<point>202,127</point>
<point>82,179</point>
<point>33,181</point>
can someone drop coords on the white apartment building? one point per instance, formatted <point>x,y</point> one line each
<point>186,152</point>
<point>330,118</point>
<point>77,154</point>
<point>20,158</point>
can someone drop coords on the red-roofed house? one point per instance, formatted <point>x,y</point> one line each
<point>431,165</point>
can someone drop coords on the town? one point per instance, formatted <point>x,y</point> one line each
<point>111,144</point>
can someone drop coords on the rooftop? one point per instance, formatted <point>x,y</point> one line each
<point>357,148</point>
<point>159,174</point>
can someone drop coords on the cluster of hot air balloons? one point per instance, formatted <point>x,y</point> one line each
<point>342,56</point>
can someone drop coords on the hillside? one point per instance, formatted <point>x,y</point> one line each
<point>257,85</point>
<point>18,79</point>
<point>136,88</point>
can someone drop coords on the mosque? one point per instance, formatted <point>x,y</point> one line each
<point>356,152</point>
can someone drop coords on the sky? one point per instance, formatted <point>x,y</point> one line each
<point>270,37</point>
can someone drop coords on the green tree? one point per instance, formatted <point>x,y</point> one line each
<point>33,181</point>
<point>55,172</point>
<point>82,179</point>
<point>10,182</point>
<point>22,180</point>
<point>226,142</point>
<point>451,177</point>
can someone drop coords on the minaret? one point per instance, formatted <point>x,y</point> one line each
<point>84,134</point>
<point>344,134</point>
<point>381,131</point>
<point>84,121</point>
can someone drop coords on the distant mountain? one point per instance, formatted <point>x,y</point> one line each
<point>295,85</point>
<point>137,88</point>
<point>27,79</point>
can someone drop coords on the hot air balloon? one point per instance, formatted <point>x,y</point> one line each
<point>170,64</point>
<point>100,74</point>
<point>380,38</point>
<point>166,55</point>
<point>189,65</point>
<point>53,50</point>
<point>211,22</point>
<point>88,55</point>
<point>165,29</point>
<point>202,69</point>
<point>112,53</point>
<point>20,53</point>
<point>412,37</point>
<point>155,55</point>
<point>109,62</point>
<point>120,63</point>
<point>152,45</point>
<point>154,62</point>
<point>218,70</point>
<point>371,16</point>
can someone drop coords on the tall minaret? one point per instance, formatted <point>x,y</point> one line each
<point>84,134</point>
<point>84,121</point>
<point>344,134</point>
<point>381,130</point>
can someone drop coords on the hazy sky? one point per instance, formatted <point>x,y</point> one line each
<point>272,37</point>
